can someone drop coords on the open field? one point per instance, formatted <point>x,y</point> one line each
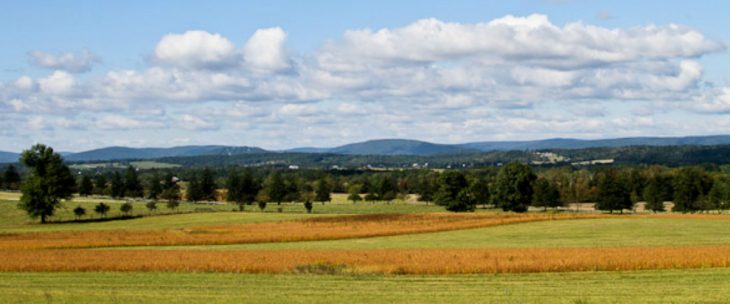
<point>382,252</point>
<point>660,230</point>
<point>667,286</point>
<point>384,261</point>
<point>316,228</point>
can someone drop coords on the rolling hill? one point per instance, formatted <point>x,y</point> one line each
<point>117,153</point>
<point>8,157</point>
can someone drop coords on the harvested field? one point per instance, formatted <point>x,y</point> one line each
<point>324,228</point>
<point>410,261</point>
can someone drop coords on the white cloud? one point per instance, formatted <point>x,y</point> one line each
<point>59,83</point>
<point>430,79</point>
<point>70,62</point>
<point>195,49</point>
<point>264,51</point>
<point>194,123</point>
<point>119,122</point>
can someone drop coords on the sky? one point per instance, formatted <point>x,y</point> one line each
<point>79,75</point>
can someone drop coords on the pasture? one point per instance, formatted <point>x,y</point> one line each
<point>364,253</point>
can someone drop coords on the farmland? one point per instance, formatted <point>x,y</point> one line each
<point>368,252</point>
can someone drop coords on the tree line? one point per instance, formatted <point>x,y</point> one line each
<point>513,187</point>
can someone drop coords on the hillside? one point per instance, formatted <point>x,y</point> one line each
<point>8,157</point>
<point>116,153</point>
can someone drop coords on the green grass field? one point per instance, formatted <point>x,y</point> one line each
<point>669,286</point>
<point>567,233</point>
<point>650,286</point>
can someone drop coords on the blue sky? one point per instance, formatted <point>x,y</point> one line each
<point>280,74</point>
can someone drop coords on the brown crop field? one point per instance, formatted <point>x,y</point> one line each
<point>411,261</point>
<point>325,228</point>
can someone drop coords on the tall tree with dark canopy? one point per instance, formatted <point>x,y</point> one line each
<point>546,194</point>
<point>453,192</point>
<point>613,193</point>
<point>513,188</point>
<point>207,185</point>
<point>132,185</point>
<point>86,186</point>
<point>689,185</point>
<point>275,188</point>
<point>155,187</point>
<point>117,188</point>
<point>653,195</point>
<point>233,189</point>
<point>194,191</point>
<point>170,190</point>
<point>322,191</point>
<point>11,178</point>
<point>100,184</point>
<point>48,182</point>
<point>479,189</point>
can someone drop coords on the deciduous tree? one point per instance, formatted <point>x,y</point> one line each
<point>48,182</point>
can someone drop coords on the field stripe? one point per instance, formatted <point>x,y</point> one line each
<point>411,261</point>
<point>321,228</point>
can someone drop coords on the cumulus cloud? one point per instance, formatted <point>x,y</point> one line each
<point>195,123</point>
<point>79,62</point>
<point>441,78</point>
<point>119,122</point>
<point>195,49</point>
<point>265,50</point>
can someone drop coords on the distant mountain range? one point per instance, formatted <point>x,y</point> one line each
<point>384,147</point>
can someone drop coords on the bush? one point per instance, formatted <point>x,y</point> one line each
<point>308,206</point>
<point>320,268</point>
<point>126,208</point>
<point>79,212</point>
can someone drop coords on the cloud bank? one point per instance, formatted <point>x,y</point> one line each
<point>434,80</point>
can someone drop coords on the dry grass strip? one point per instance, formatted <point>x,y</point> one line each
<point>325,228</point>
<point>398,261</point>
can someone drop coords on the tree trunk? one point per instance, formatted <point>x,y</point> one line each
<point>43,218</point>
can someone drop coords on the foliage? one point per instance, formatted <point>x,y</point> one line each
<point>546,194</point>
<point>11,178</point>
<point>690,184</point>
<point>118,188</point>
<point>79,212</point>
<point>126,208</point>
<point>132,185</point>
<point>322,193</point>
<point>513,188</point>
<point>86,186</point>
<point>102,209</point>
<point>613,194</point>
<point>453,192</point>
<point>48,182</point>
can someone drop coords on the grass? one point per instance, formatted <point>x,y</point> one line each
<point>668,286</point>
<point>316,228</point>
<point>384,261</point>
<point>601,232</point>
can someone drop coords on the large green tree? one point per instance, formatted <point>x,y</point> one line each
<point>453,192</point>
<point>613,193</point>
<point>690,184</point>
<point>49,181</point>
<point>546,195</point>
<point>513,188</point>
<point>322,191</point>
<point>275,187</point>
<point>207,185</point>
<point>118,188</point>
<point>132,185</point>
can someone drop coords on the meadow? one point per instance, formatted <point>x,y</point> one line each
<point>364,253</point>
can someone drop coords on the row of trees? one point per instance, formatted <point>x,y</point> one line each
<point>513,187</point>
